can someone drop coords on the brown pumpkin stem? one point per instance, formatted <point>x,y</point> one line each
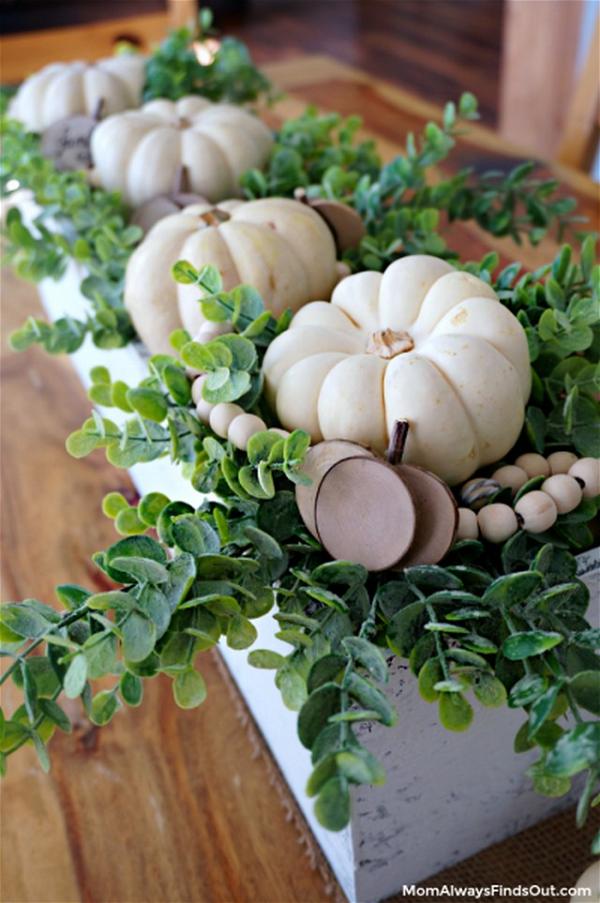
<point>395,449</point>
<point>181,182</point>
<point>387,343</point>
<point>215,217</point>
<point>97,113</point>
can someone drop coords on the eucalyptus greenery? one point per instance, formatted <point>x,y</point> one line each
<point>501,626</point>
<point>400,202</point>
<point>173,69</point>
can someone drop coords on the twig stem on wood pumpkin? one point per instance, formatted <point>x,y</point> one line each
<point>395,449</point>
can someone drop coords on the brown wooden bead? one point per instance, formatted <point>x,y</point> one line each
<point>468,527</point>
<point>534,465</point>
<point>318,461</point>
<point>537,511</point>
<point>561,461</point>
<point>510,477</point>
<point>497,522</point>
<point>364,513</point>
<point>564,490</point>
<point>436,512</point>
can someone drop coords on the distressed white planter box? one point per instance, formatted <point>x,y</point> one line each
<point>447,795</point>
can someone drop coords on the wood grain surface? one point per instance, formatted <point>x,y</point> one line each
<point>165,806</point>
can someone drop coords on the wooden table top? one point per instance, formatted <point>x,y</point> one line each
<point>199,809</point>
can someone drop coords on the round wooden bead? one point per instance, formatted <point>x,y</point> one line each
<point>211,330</point>
<point>364,513</point>
<point>510,477</point>
<point>279,432</point>
<point>588,470</point>
<point>534,465</point>
<point>497,522</point>
<point>243,427</point>
<point>436,513</point>
<point>537,511</point>
<point>561,461</point>
<point>564,490</point>
<point>221,416</point>
<point>203,408</point>
<point>467,524</point>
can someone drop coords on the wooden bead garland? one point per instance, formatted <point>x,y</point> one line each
<point>569,479</point>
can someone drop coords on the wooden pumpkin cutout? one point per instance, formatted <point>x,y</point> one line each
<point>67,141</point>
<point>180,196</point>
<point>345,223</point>
<point>379,513</point>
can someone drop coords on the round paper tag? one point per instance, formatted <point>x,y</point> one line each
<point>67,142</point>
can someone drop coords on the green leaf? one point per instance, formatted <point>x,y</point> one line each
<point>332,807</point>
<point>241,632</point>
<point>455,713</point>
<point>150,507</point>
<point>189,689</point>
<point>57,716</point>
<point>576,750</point>
<point>527,690</point>
<point>512,589</point>
<point>148,403</point>
<point>138,635</point>
<point>429,675</point>
<point>265,658</point>
<point>132,688</point>
<point>23,620</point>
<point>292,687</point>
<point>372,698</point>
<point>75,677</point>
<point>541,709</point>
<point>112,503</point>
<point>314,714</point>
<point>402,632</point>
<point>104,705</point>
<point>368,655</point>
<point>585,688</point>
<point>141,569</point>
<point>325,670</point>
<point>360,766</point>
<point>525,644</point>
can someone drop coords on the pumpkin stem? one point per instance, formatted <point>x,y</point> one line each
<point>387,344</point>
<point>215,216</point>
<point>395,449</point>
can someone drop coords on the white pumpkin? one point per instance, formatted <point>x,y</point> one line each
<point>140,152</point>
<point>67,89</point>
<point>280,247</point>
<point>422,342</point>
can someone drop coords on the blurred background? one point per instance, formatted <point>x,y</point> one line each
<point>534,64</point>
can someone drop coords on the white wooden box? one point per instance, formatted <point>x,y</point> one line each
<point>447,795</point>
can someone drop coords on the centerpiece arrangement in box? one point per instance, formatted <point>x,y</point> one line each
<point>396,451</point>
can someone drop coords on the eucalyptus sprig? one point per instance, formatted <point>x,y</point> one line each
<point>77,223</point>
<point>174,70</point>
<point>401,202</point>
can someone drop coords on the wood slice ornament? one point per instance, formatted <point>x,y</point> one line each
<point>67,142</point>
<point>345,223</point>
<point>150,212</point>
<point>379,513</point>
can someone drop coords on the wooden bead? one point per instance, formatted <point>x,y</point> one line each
<point>497,522</point>
<point>564,490</point>
<point>537,510</point>
<point>588,470</point>
<point>279,432</point>
<point>243,427</point>
<point>467,524</point>
<point>203,408</point>
<point>510,477</point>
<point>221,416</point>
<point>534,465</point>
<point>211,330</point>
<point>561,461</point>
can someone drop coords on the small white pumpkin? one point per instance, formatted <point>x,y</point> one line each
<point>68,89</point>
<point>422,342</point>
<point>280,247</point>
<point>140,152</point>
